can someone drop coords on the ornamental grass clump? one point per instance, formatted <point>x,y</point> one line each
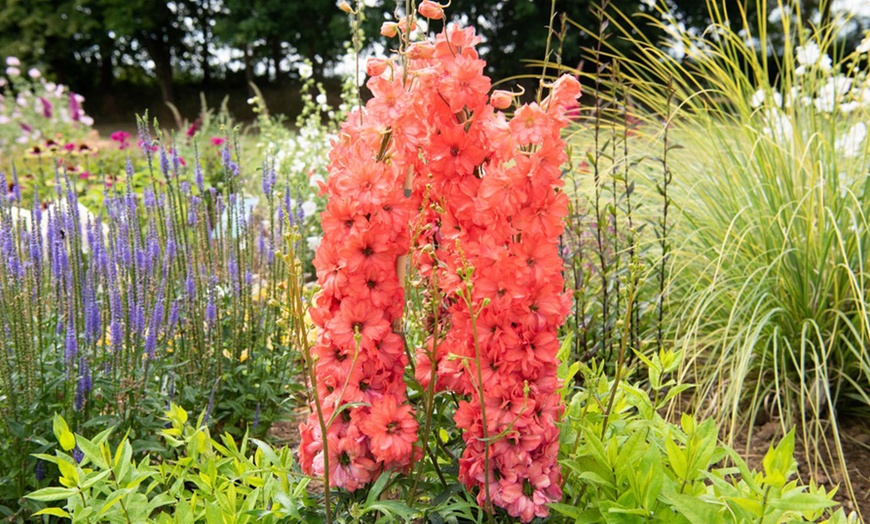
<point>431,166</point>
<point>770,290</point>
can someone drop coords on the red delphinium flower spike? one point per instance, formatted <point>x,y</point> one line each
<point>496,207</point>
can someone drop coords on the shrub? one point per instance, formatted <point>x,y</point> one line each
<point>210,480</point>
<point>625,463</point>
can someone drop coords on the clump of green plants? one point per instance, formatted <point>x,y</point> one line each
<point>207,480</point>
<point>156,296</point>
<point>625,463</point>
<point>768,287</point>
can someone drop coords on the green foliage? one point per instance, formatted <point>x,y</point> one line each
<point>210,481</point>
<point>766,163</point>
<point>629,464</point>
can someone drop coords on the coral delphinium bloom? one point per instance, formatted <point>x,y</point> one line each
<point>359,359</point>
<point>488,191</point>
<point>496,207</point>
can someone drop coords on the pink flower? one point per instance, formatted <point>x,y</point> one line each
<point>392,429</point>
<point>46,107</point>
<point>194,127</point>
<point>217,141</point>
<point>121,138</point>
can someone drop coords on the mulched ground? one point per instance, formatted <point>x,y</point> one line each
<point>856,449</point>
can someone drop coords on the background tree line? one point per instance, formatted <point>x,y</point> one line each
<point>97,46</point>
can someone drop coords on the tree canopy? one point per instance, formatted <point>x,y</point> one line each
<point>96,43</point>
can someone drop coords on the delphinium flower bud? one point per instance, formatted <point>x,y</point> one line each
<point>431,10</point>
<point>389,29</point>
<point>376,66</point>
<point>501,99</point>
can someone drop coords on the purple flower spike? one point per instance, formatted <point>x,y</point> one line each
<point>173,315</point>
<point>71,348</point>
<point>84,384</point>
<point>210,309</point>
<point>199,178</point>
<point>164,163</point>
<point>16,188</point>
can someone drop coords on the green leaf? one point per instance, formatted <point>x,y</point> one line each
<point>268,452</point>
<point>377,488</point>
<point>91,481</point>
<point>68,471</point>
<point>91,451</point>
<point>113,499</point>
<point>798,501</point>
<point>779,461</point>
<point>677,458</point>
<point>54,512</point>
<point>52,494</point>
<point>692,508</point>
<point>64,436</point>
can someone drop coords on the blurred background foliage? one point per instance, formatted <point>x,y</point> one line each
<point>137,54</point>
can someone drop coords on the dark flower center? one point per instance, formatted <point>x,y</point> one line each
<point>528,489</point>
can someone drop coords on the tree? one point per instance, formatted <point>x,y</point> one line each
<point>272,29</point>
<point>155,26</point>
